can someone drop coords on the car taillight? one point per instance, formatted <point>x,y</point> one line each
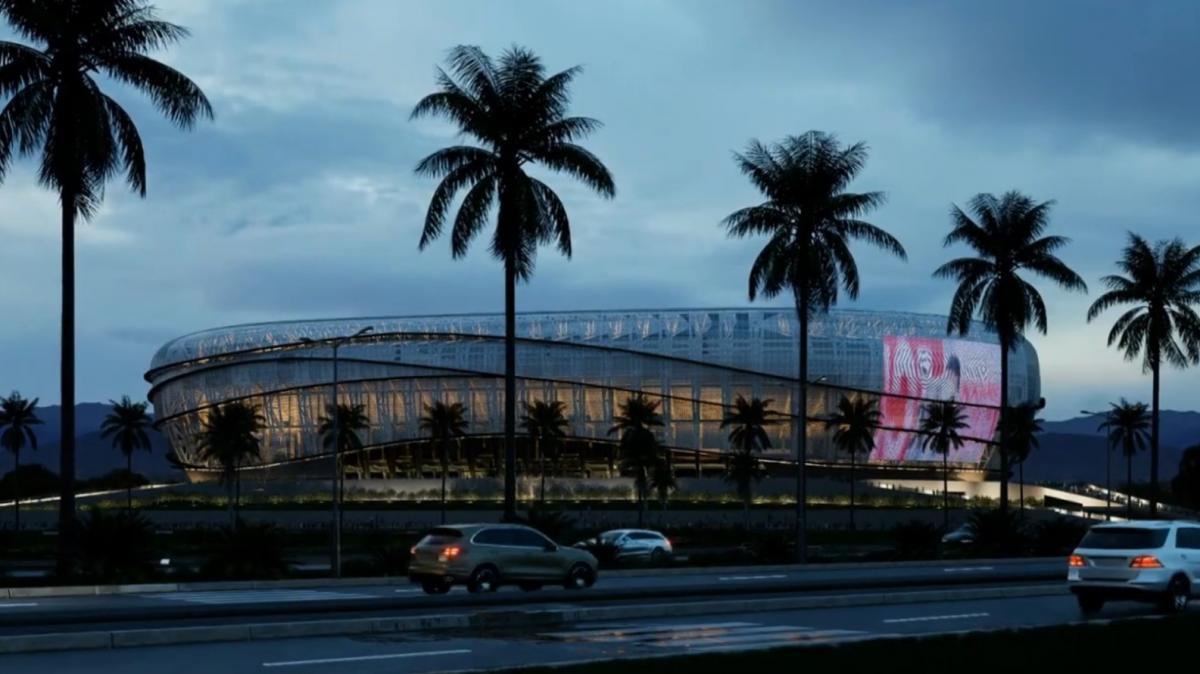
<point>412,550</point>
<point>1145,562</point>
<point>449,553</point>
<point>1077,561</point>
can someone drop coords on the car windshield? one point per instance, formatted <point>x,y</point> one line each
<point>1124,538</point>
<point>441,536</point>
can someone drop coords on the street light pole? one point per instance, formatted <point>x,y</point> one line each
<point>1107,473</point>
<point>335,545</point>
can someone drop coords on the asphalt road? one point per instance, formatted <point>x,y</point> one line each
<point>24,615</point>
<point>448,652</point>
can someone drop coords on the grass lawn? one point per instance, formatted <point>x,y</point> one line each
<point>1132,645</point>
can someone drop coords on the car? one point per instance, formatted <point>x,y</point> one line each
<point>1152,561</point>
<point>963,535</point>
<point>635,544</point>
<point>486,556</point>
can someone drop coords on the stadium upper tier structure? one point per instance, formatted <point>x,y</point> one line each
<point>693,362</point>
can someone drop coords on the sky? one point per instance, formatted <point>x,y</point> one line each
<point>300,201</point>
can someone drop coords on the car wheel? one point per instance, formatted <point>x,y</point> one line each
<point>1178,594</point>
<point>435,587</point>
<point>484,579</point>
<point>658,556</point>
<point>530,587</point>
<point>579,577</point>
<point>1089,604</point>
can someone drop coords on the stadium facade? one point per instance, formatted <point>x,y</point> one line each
<point>694,361</point>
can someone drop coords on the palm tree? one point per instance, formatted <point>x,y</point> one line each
<point>854,427</point>
<point>343,438</point>
<point>85,137</point>
<point>444,422</point>
<point>1020,434</point>
<point>1006,235</point>
<point>18,416</point>
<point>939,428</point>
<point>635,421</point>
<point>1126,425</point>
<point>546,424</point>
<point>1163,285</point>
<point>747,421</point>
<point>517,116</point>
<point>229,439</point>
<point>662,480</point>
<point>127,424</point>
<point>810,221</point>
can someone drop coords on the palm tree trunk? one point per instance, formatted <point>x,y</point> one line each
<point>17,492</point>
<point>1021,486</point>
<point>510,389</point>
<point>129,485</point>
<point>946,490</point>
<point>1108,484</point>
<point>641,489</point>
<point>1129,485</point>
<point>852,462</point>
<point>443,443</point>
<point>1004,348</point>
<point>230,498</point>
<point>66,461</point>
<point>542,469</point>
<point>802,432</point>
<point>1154,438</point>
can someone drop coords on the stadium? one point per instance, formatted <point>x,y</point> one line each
<point>695,362</point>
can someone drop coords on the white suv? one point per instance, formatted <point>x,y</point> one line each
<point>635,543</point>
<point>1155,561</point>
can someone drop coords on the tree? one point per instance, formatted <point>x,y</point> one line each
<point>126,424</point>
<point>547,424</point>
<point>1006,236</point>
<point>854,427</point>
<point>1126,425</point>
<point>444,422</point>
<point>517,116</point>
<point>1186,485</point>
<point>662,481</point>
<point>635,421</point>
<point>747,423</point>
<point>85,137</point>
<point>809,221</point>
<point>1162,282</point>
<point>351,421</point>
<point>229,439</point>
<point>939,432</point>
<point>18,416</point>
<point>1020,434</point>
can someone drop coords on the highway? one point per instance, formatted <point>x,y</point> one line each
<point>35,614</point>
<point>415,653</point>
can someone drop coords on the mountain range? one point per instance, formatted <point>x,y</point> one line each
<point>1071,450</point>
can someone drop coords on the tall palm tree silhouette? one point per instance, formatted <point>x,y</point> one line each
<point>517,115</point>
<point>854,425</point>
<point>1162,282</point>
<point>1006,237</point>
<point>230,439</point>
<point>939,432</point>
<point>444,422</point>
<point>18,416</point>
<point>809,220</point>
<point>747,423</point>
<point>635,422</point>
<point>547,424</point>
<point>126,424</point>
<point>85,137</point>
<point>1126,424</point>
<point>343,438</point>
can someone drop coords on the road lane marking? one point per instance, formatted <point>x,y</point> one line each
<point>622,632</point>
<point>255,596</point>
<point>928,618</point>
<point>409,591</point>
<point>764,577</point>
<point>710,637</point>
<point>24,605</point>
<point>365,658</point>
<point>961,569</point>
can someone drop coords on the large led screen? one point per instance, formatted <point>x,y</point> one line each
<point>939,369</point>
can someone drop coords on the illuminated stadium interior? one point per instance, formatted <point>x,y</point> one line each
<point>695,361</point>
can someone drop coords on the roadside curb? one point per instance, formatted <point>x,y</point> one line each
<point>306,583</point>
<point>490,619</point>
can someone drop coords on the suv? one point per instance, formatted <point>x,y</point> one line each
<point>485,556</point>
<point>635,543</point>
<point>1155,561</point>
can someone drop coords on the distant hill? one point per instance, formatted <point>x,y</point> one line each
<point>1073,449</point>
<point>94,455</point>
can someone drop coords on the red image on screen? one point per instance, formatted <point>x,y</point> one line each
<point>937,369</point>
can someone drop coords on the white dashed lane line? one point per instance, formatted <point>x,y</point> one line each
<point>765,577</point>
<point>963,569</point>
<point>365,658</point>
<point>931,618</point>
<point>22,605</point>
